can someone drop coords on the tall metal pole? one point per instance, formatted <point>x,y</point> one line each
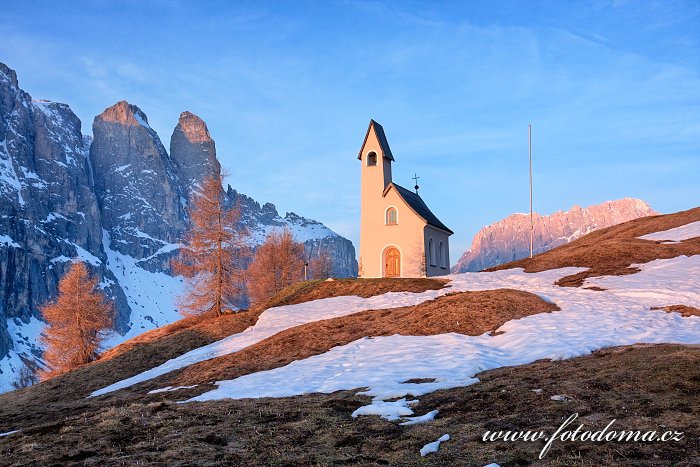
<point>532,224</point>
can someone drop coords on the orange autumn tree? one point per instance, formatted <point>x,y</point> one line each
<point>76,321</point>
<point>278,263</point>
<point>213,256</point>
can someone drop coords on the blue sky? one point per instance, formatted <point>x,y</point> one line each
<point>612,89</point>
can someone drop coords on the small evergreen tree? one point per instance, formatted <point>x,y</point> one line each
<point>278,263</point>
<point>76,321</point>
<point>213,257</point>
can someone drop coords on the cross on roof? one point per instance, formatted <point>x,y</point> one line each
<point>416,177</point>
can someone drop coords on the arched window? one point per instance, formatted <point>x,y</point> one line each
<point>391,217</point>
<point>431,250</point>
<point>371,158</point>
<point>443,257</point>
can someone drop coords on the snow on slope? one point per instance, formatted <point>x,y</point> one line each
<point>588,320</point>
<point>675,235</point>
<point>25,337</point>
<point>151,295</point>
<point>273,321</point>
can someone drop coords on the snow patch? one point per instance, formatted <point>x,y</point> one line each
<point>150,295</point>
<point>273,321</point>
<point>675,235</point>
<point>434,446</point>
<point>7,241</point>
<point>141,121</point>
<point>421,419</point>
<point>170,389</point>
<point>389,410</point>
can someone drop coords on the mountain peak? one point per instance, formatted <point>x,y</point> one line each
<point>193,128</point>
<point>509,239</point>
<point>124,113</point>
<point>192,147</point>
<point>9,73</point>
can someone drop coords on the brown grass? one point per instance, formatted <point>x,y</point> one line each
<point>612,250</point>
<point>643,387</point>
<point>317,289</point>
<point>469,313</point>
<point>684,310</point>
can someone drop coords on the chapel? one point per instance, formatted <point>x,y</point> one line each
<point>399,234</point>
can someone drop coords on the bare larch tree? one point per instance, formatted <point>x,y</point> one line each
<point>278,263</point>
<point>212,259</point>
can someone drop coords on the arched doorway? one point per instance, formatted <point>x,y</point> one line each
<point>392,263</point>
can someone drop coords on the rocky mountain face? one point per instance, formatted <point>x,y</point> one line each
<point>116,200</point>
<point>509,239</point>
<point>141,190</point>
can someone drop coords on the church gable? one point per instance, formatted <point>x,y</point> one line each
<point>418,206</point>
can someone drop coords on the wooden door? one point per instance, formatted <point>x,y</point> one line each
<point>392,263</point>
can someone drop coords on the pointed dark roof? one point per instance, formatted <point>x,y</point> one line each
<point>381,137</point>
<point>416,203</point>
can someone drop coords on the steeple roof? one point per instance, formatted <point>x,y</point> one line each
<point>381,137</point>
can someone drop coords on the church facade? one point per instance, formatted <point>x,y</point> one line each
<point>399,235</point>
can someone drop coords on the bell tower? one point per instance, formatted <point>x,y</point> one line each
<point>376,158</point>
<point>375,175</point>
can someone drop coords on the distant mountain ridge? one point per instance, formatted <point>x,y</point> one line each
<point>509,239</point>
<point>117,200</point>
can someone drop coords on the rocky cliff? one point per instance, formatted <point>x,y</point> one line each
<point>140,189</point>
<point>192,147</point>
<point>509,239</point>
<point>116,200</point>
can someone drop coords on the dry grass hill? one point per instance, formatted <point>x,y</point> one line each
<point>642,386</point>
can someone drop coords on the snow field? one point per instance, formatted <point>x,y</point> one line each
<point>588,320</point>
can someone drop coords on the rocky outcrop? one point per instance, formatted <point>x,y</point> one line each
<point>193,149</point>
<point>509,239</point>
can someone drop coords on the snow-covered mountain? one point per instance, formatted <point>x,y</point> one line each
<point>118,200</point>
<point>509,239</point>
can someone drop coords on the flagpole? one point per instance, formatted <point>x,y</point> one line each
<point>529,145</point>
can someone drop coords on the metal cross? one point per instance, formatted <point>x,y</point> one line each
<point>416,177</point>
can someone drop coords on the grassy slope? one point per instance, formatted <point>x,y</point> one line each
<point>612,250</point>
<point>643,387</point>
